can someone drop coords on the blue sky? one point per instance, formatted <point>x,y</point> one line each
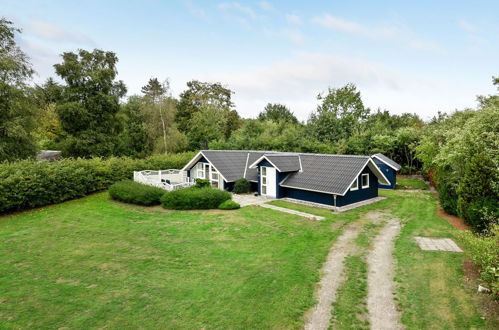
<point>404,56</point>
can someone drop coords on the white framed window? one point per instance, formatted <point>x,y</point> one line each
<point>365,180</point>
<point>199,171</point>
<point>263,177</point>
<point>355,185</point>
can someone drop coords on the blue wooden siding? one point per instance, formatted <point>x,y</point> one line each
<point>309,196</point>
<point>362,193</point>
<point>389,172</point>
<point>280,191</point>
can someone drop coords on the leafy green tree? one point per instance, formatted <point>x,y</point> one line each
<point>48,132</point>
<point>134,140</point>
<point>157,97</point>
<point>16,102</point>
<point>206,125</point>
<point>340,114</point>
<point>90,102</point>
<point>198,95</point>
<point>277,112</point>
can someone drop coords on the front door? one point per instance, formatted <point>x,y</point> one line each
<point>268,181</point>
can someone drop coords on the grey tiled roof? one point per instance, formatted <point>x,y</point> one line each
<point>326,173</point>
<point>318,172</point>
<point>388,161</point>
<point>285,162</point>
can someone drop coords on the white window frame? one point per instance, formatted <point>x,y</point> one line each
<point>199,171</point>
<point>362,180</point>
<point>262,177</point>
<point>355,185</point>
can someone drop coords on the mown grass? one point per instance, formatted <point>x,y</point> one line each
<point>411,183</point>
<point>95,263</point>
<point>431,290</point>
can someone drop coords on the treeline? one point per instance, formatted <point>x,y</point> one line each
<point>461,154</point>
<point>87,114</point>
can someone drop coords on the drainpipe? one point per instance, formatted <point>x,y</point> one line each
<point>335,208</point>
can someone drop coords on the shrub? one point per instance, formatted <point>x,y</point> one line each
<point>483,250</point>
<point>482,213</point>
<point>448,197</point>
<point>474,187</point>
<point>30,183</point>
<point>129,191</point>
<point>229,205</point>
<point>202,183</point>
<point>194,198</point>
<point>242,186</point>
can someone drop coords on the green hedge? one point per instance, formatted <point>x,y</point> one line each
<point>30,183</point>
<point>242,186</point>
<point>194,198</point>
<point>129,191</point>
<point>229,205</point>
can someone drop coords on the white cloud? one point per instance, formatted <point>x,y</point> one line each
<point>237,8</point>
<point>265,5</point>
<point>425,45</point>
<point>342,25</point>
<point>466,26</point>
<point>49,31</point>
<point>393,33</point>
<point>293,19</point>
<point>196,10</point>
<point>297,81</point>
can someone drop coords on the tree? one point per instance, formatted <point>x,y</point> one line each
<point>340,114</point>
<point>201,94</point>
<point>277,112</point>
<point>90,102</point>
<point>48,132</point>
<point>16,105</point>
<point>134,140</point>
<point>156,94</point>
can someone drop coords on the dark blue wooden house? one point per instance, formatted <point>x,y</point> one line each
<point>335,180</point>
<point>389,169</point>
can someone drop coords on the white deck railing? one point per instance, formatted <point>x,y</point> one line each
<point>165,179</point>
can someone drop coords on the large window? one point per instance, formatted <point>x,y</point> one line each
<point>263,177</point>
<point>365,180</point>
<point>355,185</point>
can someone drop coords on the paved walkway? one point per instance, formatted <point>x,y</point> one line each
<point>250,199</point>
<point>301,214</point>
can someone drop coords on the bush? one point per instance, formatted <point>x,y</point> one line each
<point>242,186</point>
<point>474,188</point>
<point>129,191</point>
<point>194,198</point>
<point>30,183</point>
<point>229,205</point>
<point>202,183</point>
<point>482,213</point>
<point>448,197</point>
<point>483,250</point>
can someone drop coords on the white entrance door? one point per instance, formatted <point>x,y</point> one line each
<point>268,181</point>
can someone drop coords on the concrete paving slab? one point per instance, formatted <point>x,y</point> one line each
<point>437,244</point>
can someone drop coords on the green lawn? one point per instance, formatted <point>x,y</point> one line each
<point>411,183</point>
<point>93,263</point>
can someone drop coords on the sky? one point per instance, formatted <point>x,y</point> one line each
<point>404,56</point>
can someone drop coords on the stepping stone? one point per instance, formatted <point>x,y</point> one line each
<point>437,244</point>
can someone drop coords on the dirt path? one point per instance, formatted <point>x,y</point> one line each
<point>380,303</point>
<point>332,279</point>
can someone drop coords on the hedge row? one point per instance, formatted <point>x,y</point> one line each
<point>129,191</point>
<point>195,198</point>
<point>29,183</point>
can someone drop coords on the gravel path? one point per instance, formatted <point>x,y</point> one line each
<point>380,303</point>
<point>332,279</point>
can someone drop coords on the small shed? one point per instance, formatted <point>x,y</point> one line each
<point>389,168</point>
